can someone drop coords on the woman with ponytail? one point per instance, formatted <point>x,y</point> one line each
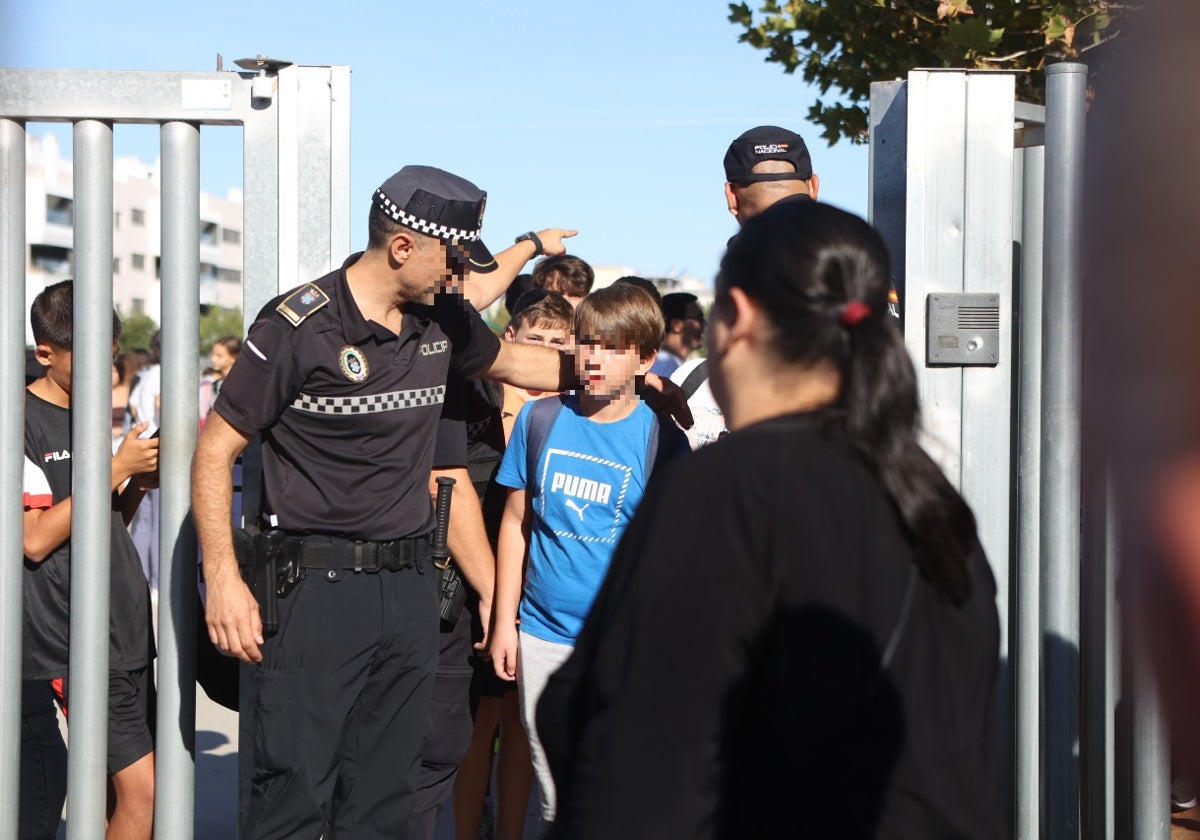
<point>798,634</point>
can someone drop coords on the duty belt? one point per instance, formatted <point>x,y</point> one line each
<point>320,552</point>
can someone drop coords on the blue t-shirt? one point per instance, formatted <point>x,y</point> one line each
<point>590,478</point>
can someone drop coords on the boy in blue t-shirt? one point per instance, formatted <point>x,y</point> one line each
<point>569,503</point>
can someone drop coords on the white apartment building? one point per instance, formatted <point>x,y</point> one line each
<point>137,233</point>
<point>606,275</point>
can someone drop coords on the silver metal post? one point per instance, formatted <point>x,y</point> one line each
<point>1098,665</point>
<point>1027,627</point>
<point>1066,88</point>
<point>91,475</point>
<point>175,764</point>
<point>12,384</point>
<point>1150,779</point>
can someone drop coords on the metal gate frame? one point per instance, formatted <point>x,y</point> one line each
<point>975,192</point>
<point>296,222</point>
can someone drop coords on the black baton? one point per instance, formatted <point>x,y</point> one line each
<point>439,552</point>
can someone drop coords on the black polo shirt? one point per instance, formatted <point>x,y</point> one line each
<point>349,411</point>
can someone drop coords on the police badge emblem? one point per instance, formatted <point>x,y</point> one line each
<point>353,363</point>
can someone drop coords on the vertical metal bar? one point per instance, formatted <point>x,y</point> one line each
<point>91,477</point>
<point>12,383</point>
<point>313,207</point>
<point>888,179</point>
<point>1098,651</point>
<point>1066,88</point>
<point>987,259</point>
<point>1026,648</point>
<point>339,167</point>
<point>260,210</point>
<point>1150,778</point>
<point>287,107</point>
<point>260,258</point>
<point>175,765</point>
<point>936,143</point>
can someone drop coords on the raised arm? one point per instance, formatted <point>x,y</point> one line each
<point>533,367</point>
<point>543,369</point>
<point>45,529</point>
<point>482,290</point>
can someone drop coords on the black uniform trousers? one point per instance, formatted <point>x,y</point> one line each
<point>341,700</point>
<point>447,726</point>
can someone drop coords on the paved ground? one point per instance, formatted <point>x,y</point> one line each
<point>216,776</point>
<point>216,782</point>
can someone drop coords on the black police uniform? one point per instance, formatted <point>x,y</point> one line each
<point>348,413</point>
<point>471,435</point>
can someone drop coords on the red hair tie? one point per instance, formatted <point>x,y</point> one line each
<point>854,312</point>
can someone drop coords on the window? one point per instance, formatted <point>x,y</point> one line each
<point>59,210</point>
<point>116,265</point>
<point>138,262</point>
<point>208,233</point>
<point>157,267</point>
<point>116,221</point>
<point>137,217</point>
<point>137,306</point>
<point>230,275</point>
<point>231,237</point>
<point>51,259</point>
<point>208,271</point>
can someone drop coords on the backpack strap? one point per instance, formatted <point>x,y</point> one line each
<point>546,411</point>
<point>695,378</point>
<point>541,418</point>
<point>662,444</point>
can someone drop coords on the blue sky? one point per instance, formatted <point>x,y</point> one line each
<point>611,117</point>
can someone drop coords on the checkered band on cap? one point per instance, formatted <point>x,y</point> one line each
<point>398,214</point>
<point>391,401</point>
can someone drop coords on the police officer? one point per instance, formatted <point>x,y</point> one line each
<point>344,378</point>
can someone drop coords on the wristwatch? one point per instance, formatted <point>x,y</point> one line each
<point>530,237</point>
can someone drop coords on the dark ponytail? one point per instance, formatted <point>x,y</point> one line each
<point>822,276</point>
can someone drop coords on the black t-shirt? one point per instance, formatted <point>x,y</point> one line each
<point>47,482</point>
<point>471,434</point>
<point>728,681</point>
<point>349,409</point>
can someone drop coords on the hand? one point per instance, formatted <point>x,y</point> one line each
<point>146,481</point>
<point>485,618</point>
<point>234,624</point>
<point>552,241</point>
<point>667,399</point>
<point>134,455</point>
<point>503,650</point>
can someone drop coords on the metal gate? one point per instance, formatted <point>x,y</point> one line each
<point>296,124</point>
<point>979,198</point>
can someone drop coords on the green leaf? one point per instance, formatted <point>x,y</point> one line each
<point>974,36</point>
<point>740,14</point>
<point>1056,28</point>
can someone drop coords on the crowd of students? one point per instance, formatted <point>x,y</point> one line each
<point>812,561</point>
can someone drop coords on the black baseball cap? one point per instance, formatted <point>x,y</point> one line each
<point>435,202</point>
<point>767,142</point>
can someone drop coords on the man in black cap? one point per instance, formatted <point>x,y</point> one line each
<point>344,378</point>
<point>762,166</point>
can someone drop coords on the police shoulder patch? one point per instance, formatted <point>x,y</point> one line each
<point>301,303</point>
